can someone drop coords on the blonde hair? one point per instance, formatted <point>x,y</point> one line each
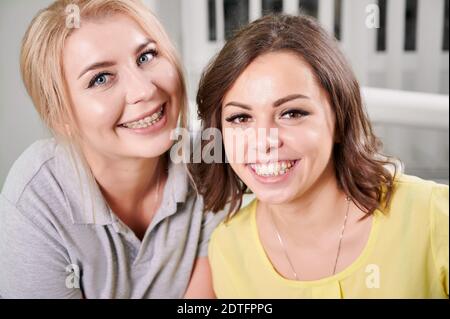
<point>41,57</point>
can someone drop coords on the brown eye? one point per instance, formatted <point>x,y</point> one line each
<point>294,114</point>
<point>238,119</point>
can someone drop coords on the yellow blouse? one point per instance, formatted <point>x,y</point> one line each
<point>406,255</point>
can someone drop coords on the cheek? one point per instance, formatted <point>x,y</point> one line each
<point>102,111</point>
<point>229,145</point>
<point>165,76</point>
<point>310,139</point>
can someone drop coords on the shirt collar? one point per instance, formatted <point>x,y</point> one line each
<point>85,201</point>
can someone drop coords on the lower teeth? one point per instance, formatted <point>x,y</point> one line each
<point>274,174</point>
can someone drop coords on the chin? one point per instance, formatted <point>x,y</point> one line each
<point>153,149</point>
<point>273,196</point>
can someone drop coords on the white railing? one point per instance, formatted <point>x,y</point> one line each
<point>413,127</point>
<point>425,69</point>
<point>421,110</point>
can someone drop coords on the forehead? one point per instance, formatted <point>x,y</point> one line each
<point>103,38</point>
<point>273,75</point>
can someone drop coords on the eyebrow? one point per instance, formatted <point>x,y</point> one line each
<point>105,64</point>
<point>275,104</point>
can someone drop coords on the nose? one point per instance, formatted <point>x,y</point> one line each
<point>138,87</point>
<point>268,141</point>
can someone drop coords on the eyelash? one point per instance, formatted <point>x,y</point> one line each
<point>154,52</point>
<point>94,79</point>
<point>298,113</point>
<point>233,118</point>
<point>243,117</point>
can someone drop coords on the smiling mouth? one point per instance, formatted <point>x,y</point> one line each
<point>147,121</point>
<point>273,168</point>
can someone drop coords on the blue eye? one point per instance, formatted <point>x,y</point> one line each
<point>99,79</point>
<point>147,57</point>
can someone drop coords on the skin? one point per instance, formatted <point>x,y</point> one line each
<point>137,79</point>
<point>306,204</point>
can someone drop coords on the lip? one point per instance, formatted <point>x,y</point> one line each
<point>150,129</point>
<point>143,116</point>
<point>271,161</point>
<point>273,179</point>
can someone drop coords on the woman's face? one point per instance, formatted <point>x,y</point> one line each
<point>278,91</point>
<point>125,94</point>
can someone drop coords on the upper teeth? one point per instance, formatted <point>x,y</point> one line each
<point>147,121</point>
<point>273,168</point>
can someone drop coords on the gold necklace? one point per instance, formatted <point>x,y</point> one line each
<point>339,246</point>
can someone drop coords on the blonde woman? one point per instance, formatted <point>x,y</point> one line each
<point>100,211</point>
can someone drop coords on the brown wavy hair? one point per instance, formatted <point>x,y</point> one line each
<point>361,171</point>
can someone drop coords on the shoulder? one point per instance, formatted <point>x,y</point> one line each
<point>236,229</point>
<point>28,168</point>
<point>412,191</point>
<point>411,181</point>
<point>417,203</point>
<point>420,214</point>
<point>39,187</point>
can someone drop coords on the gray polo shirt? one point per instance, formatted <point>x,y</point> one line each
<point>59,238</point>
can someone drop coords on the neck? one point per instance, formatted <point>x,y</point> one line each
<point>319,208</point>
<point>126,183</point>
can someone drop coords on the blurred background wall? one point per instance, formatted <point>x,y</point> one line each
<point>397,48</point>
